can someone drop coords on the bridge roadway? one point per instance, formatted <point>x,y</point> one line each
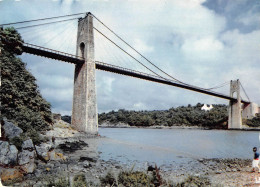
<point>57,55</point>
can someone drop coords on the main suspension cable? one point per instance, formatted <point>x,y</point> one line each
<point>147,58</point>
<point>137,51</point>
<point>46,23</point>
<point>244,91</point>
<point>218,86</point>
<point>42,19</point>
<point>127,53</point>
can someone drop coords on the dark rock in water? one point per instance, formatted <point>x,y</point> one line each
<point>85,158</point>
<point>66,119</point>
<point>10,130</point>
<point>70,147</point>
<point>86,164</point>
<point>150,168</point>
<point>218,172</point>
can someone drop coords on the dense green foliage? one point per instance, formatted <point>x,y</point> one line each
<point>190,115</point>
<point>21,101</point>
<point>254,122</point>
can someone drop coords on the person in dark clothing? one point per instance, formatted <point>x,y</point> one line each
<point>255,160</point>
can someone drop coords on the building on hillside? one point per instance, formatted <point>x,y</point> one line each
<point>206,107</point>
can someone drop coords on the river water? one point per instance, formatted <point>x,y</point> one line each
<point>167,146</point>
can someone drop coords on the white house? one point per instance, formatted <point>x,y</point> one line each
<point>206,108</point>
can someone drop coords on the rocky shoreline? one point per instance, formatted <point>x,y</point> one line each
<point>69,153</point>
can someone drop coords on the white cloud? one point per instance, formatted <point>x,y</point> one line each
<point>58,95</point>
<point>139,106</point>
<point>207,49</point>
<point>142,47</point>
<point>243,49</point>
<point>105,84</point>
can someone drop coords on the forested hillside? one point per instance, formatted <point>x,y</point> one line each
<point>189,116</point>
<point>21,101</point>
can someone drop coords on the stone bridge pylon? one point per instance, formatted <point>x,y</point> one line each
<point>84,109</point>
<point>234,116</point>
<point>237,110</point>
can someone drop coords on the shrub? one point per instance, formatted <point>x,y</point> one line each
<point>79,181</point>
<point>108,179</point>
<point>136,178</point>
<point>254,122</point>
<point>57,182</point>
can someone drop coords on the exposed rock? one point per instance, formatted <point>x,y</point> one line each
<point>218,172</point>
<point>8,154</point>
<point>10,130</point>
<point>86,164</point>
<point>42,151</point>
<point>11,175</point>
<point>28,145</point>
<point>29,167</point>
<point>62,129</point>
<point>56,156</point>
<point>26,161</point>
<point>25,156</point>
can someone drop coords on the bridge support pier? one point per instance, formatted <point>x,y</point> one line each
<point>235,117</point>
<point>84,110</point>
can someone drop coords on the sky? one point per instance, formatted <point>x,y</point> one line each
<point>200,42</point>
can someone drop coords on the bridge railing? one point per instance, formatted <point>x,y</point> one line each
<point>53,51</point>
<point>130,70</point>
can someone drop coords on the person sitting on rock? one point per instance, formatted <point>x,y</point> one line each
<point>255,160</point>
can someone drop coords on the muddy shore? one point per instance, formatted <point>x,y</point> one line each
<point>80,156</point>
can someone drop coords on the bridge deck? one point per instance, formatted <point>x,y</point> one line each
<point>40,51</point>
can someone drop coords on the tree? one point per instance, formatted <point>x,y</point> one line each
<point>21,101</point>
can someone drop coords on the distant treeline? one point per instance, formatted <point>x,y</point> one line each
<point>216,118</point>
<point>184,115</point>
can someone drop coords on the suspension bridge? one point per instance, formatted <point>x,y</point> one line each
<point>84,111</point>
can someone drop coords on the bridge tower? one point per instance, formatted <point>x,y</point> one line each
<point>84,109</point>
<point>235,116</point>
